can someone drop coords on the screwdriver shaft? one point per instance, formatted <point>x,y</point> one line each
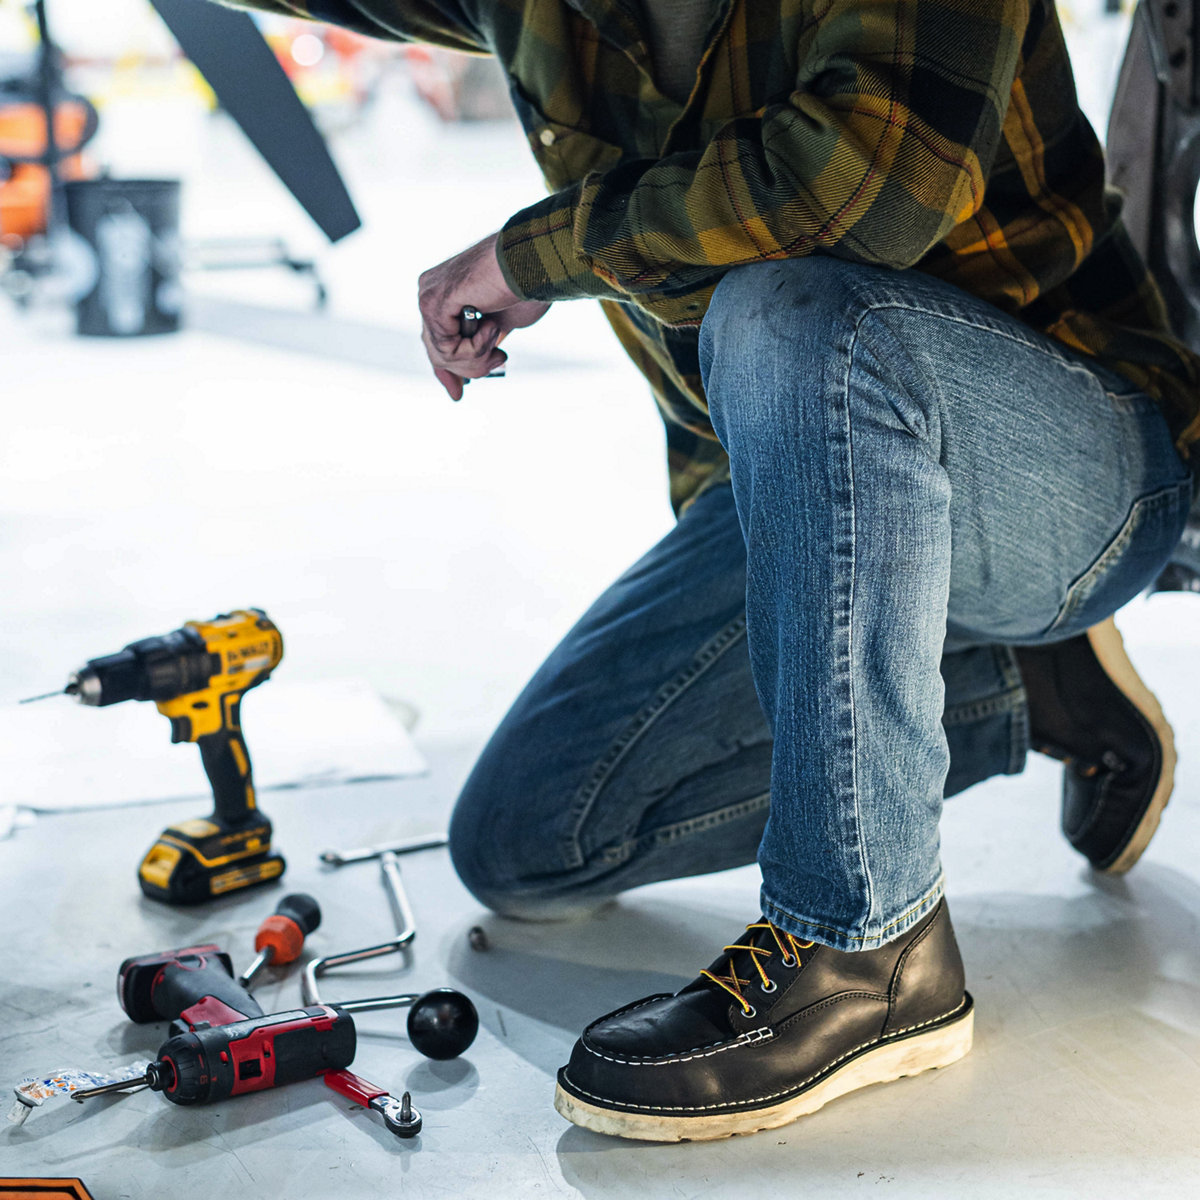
<point>121,1085</point>
<point>264,957</point>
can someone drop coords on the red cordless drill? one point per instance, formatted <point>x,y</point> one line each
<point>223,1045</point>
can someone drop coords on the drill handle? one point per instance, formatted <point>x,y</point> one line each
<point>197,990</point>
<point>227,764</point>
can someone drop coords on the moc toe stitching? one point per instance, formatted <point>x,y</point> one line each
<point>670,1060</point>
<point>797,1087</point>
<point>1100,804</point>
<point>1111,800</point>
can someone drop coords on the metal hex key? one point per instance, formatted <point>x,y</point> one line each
<point>406,928</point>
<point>341,858</point>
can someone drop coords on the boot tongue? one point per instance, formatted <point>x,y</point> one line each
<point>711,1001</point>
<point>704,1014</point>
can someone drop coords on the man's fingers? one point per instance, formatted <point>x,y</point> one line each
<point>470,357</point>
<point>484,339</point>
<point>470,280</point>
<point>450,345</point>
<point>464,359</point>
<point>451,382</point>
<point>480,367</point>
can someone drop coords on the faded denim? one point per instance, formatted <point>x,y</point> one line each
<point>810,660</point>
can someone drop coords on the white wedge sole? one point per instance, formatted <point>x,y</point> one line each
<point>909,1056</point>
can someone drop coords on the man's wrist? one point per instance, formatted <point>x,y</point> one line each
<point>516,285</point>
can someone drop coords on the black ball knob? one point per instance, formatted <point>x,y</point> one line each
<point>301,908</point>
<point>442,1023</point>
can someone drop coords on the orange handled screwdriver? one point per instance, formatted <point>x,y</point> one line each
<point>280,937</point>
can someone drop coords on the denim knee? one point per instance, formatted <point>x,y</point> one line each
<point>790,351</point>
<point>760,301</point>
<point>483,861</point>
<point>500,859</point>
<point>771,332</point>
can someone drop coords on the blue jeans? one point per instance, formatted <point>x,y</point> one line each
<point>813,658</point>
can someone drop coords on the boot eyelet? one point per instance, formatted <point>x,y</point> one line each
<point>762,987</point>
<point>750,1012</point>
<point>789,961</point>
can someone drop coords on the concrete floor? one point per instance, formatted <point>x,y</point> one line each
<point>439,551</point>
<point>1083,1081</point>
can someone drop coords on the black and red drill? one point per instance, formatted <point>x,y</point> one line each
<point>222,1044</point>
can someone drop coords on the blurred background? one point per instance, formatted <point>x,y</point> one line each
<point>287,446</point>
<point>299,457</point>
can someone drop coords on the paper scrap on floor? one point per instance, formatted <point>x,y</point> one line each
<point>58,755</point>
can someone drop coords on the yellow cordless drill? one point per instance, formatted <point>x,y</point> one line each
<point>197,676</point>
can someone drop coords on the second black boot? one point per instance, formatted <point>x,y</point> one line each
<point>1089,708</point>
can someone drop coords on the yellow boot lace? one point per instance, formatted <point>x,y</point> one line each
<point>787,944</point>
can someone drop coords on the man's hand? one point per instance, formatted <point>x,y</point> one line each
<point>471,278</point>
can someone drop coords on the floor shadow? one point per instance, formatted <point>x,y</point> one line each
<point>565,975</point>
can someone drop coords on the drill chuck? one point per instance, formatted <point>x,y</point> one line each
<point>156,668</point>
<point>159,1075</point>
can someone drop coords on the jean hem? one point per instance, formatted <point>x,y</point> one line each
<point>838,938</point>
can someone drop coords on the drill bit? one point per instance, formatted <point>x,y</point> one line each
<point>34,1090</point>
<point>121,1085</point>
<point>73,688</point>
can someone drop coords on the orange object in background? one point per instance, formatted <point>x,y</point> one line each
<point>459,87</point>
<point>25,195</point>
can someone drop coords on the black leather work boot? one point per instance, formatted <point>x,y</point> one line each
<point>1089,708</point>
<point>775,1029</point>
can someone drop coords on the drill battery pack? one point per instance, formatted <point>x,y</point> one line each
<point>200,860</point>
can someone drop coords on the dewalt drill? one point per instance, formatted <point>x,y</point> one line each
<point>197,676</point>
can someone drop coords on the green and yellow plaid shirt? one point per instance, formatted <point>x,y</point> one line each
<point>941,135</point>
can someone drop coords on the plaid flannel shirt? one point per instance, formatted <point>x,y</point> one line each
<point>940,135</point>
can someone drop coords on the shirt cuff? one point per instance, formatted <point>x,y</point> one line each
<point>538,256</point>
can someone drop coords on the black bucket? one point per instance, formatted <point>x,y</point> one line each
<point>132,229</point>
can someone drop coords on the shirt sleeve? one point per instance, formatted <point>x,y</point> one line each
<point>438,22</point>
<point>882,148</point>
